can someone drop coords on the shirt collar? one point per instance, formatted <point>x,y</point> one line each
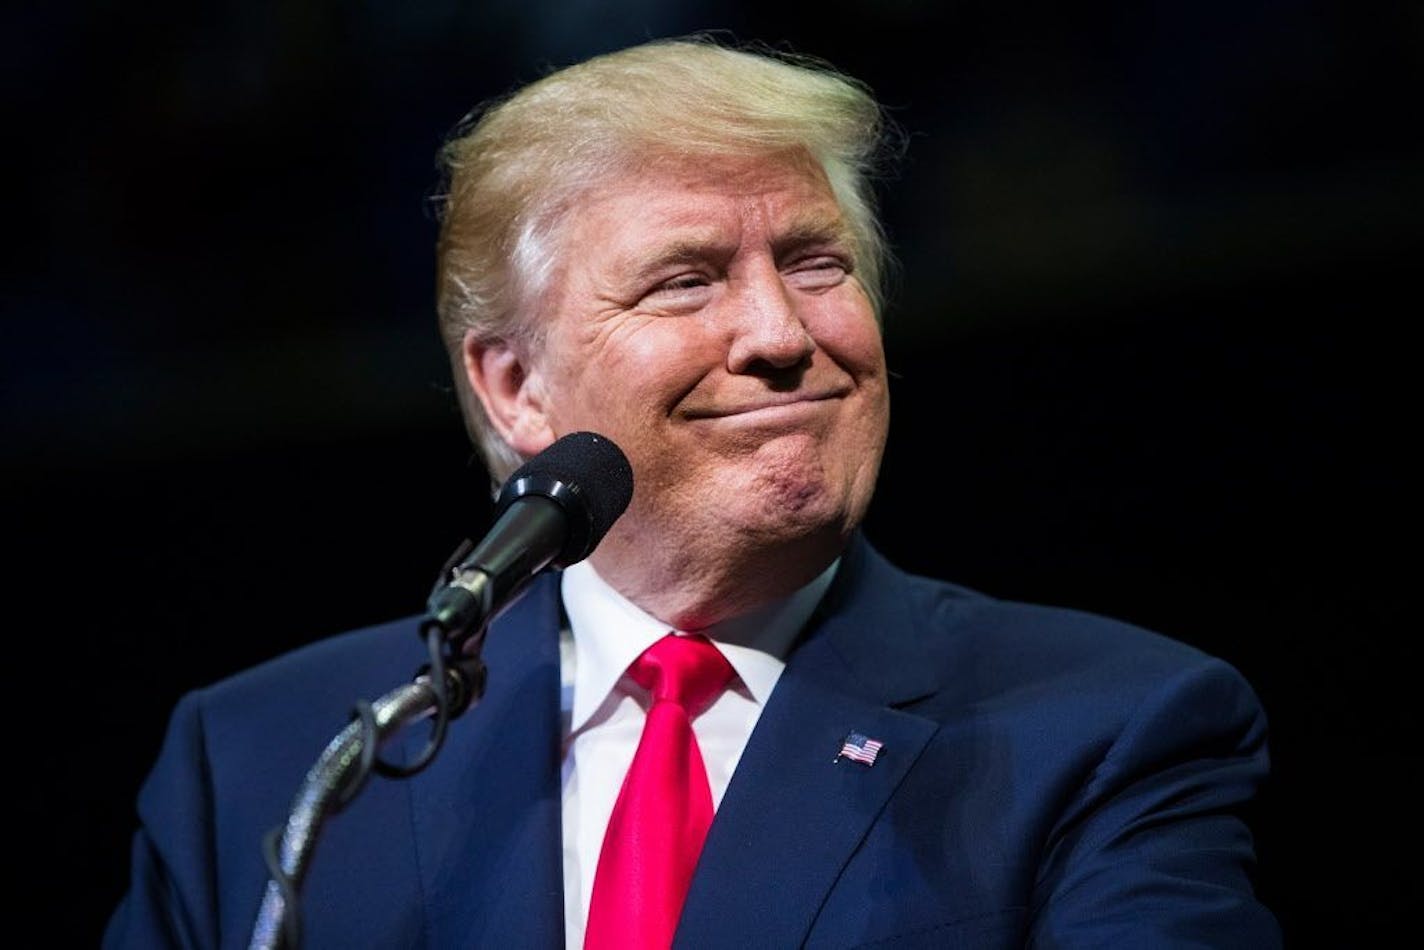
<point>610,631</point>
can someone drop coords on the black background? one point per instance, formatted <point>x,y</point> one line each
<point>1157,261</point>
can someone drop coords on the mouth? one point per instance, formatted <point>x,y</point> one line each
<point>774,406</point>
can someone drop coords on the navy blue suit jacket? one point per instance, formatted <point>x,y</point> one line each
<point>1048,778</point>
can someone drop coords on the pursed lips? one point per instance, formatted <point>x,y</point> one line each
<point>771,402</point>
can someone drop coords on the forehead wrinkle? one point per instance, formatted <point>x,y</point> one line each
<point>708,225</point>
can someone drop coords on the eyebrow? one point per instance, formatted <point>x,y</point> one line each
<point>821,229</point>
<point>811,231</point>
<point>685,250</point>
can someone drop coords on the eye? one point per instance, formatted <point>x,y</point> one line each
<point>682,282</point>
<point>818,272</point>
<point>684,292</point>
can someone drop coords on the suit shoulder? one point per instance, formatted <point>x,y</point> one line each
<point>319,682</point>
<point>999,646</point>
<point>959,609</point>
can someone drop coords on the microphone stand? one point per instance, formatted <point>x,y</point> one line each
<point>445,688</point>
<point>545,518</point>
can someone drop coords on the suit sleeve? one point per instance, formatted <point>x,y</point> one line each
<point>170,901</point>
<point>1154,850</point>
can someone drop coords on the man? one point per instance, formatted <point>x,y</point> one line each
<point>674,246</point>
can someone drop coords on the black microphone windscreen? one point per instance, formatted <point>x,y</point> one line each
<point>588,475</point>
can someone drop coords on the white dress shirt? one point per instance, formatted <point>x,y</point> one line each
<point>603,708</point>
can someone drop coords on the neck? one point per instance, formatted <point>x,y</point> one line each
<point>691,587</point>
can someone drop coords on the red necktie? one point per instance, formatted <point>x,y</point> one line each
<point>664,809</point>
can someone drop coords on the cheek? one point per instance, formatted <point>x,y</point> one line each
<point>665,359</point>
<point>851,338</point>
<point>864,352</point>
<point>640,375</point>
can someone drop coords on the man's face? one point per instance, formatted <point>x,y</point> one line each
<point>706,317</point>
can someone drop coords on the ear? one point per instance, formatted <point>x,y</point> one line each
<point>512,392</point>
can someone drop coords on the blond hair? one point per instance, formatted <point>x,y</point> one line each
<point>514,166</point>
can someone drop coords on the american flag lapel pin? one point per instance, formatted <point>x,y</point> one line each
<point>859,748</point>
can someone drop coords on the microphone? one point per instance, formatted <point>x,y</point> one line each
<point>552,512</point>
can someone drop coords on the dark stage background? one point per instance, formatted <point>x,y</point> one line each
<point>1156,262</point>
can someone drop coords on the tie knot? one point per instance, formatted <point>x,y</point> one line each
<point>689,671</point>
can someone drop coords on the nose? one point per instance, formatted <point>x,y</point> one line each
<point>768,333</point>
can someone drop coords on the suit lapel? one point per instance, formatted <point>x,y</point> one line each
<point>793,815</point>
<point>487,809</point>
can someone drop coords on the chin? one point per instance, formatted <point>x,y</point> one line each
<point>802,484</point>
<point>790,493</point>
<point>787,513</point>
